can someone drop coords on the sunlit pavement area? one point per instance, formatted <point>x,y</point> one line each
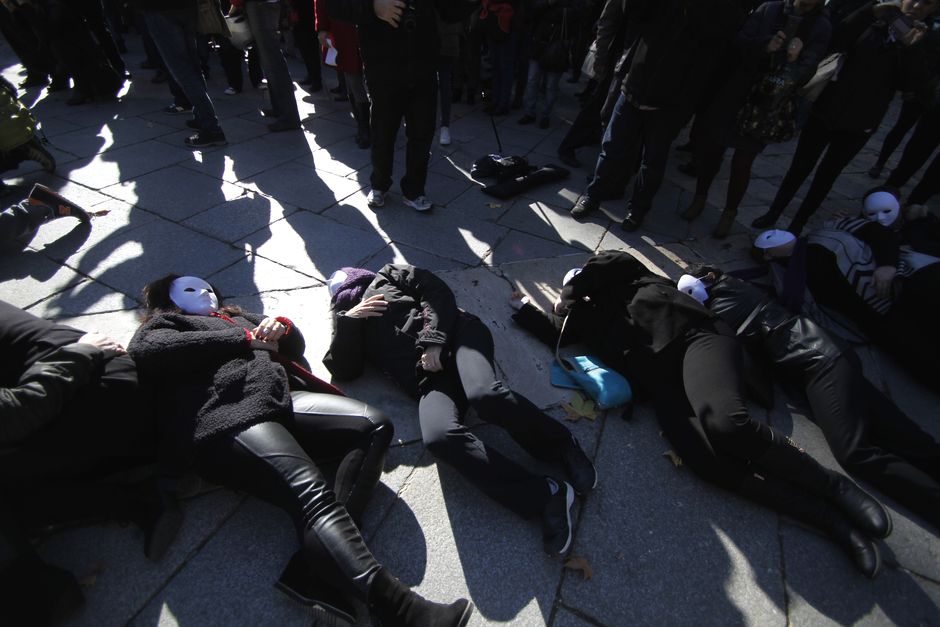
<point>269,216</point>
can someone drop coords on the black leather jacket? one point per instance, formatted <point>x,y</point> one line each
<point>791,342</point>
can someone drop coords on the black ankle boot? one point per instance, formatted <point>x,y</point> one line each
<point>300,582</point>
<point>394,605</point>
<point>804,506</point>
<point>790,463</point>
<point>767,220</point>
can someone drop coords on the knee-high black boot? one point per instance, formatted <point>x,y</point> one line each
<point>393,604</point>
<point>360,470</point>
<point>788,499</point>
<point>788,462</point>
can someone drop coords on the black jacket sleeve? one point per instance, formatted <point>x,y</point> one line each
<point>545,327</point>
<point>885,244</point>
<point>159,344</point>
<point>44,388</point>
<point>346,356</point>
<point>439,307</point>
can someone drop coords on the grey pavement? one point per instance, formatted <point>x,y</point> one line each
<point>267,217</point>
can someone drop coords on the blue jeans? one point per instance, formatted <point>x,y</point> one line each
<point>503,55</point>
<point>635,134</point>
<point>263,19</point>
<point>174,34</point>
<point>538,76</point>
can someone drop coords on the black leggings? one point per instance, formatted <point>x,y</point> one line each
<point>272,461</point>
<point>469,378</point>
<point>873,439</point>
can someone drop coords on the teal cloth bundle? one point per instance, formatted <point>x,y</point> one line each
<point>606,387</point>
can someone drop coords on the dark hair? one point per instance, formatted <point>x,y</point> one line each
<point>157,297</point>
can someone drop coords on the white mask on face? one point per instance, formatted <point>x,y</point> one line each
<point>193,296</point>
<point>881,207</point>
<point>693,287</point>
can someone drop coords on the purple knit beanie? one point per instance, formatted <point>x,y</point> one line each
<point>346,291</point>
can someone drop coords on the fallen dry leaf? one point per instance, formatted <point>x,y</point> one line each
<point>576,562</point>
<point>579,407</point>
<point>97,214</point>
<point>675,459</point>
<point>494,205</point>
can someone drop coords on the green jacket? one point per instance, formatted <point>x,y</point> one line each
<point>17,125</point>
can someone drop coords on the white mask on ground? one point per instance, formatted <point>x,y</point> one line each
<point>881,207</point>
<point>194,296</point>
<point>693,287</point>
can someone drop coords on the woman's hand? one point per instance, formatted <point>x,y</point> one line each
<point>776,42</point>
<point>431,359</point>
<point>270,330</point>
<point>264,345</point>
<point>371,307</point>
<point>794,48</point>
<point>388,11</point>
<point>108,346</point>
<point>517,300</point>
<point>882,279</point>
<point>559,308</point>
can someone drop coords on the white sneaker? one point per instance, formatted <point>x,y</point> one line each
<point>421,203</point>
<point>230,91</point>
<point>376,198</point>
<point>445,136</point>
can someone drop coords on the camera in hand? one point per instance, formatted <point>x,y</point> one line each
<point>409,17</point>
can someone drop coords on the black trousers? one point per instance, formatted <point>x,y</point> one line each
<point>396,98</point>
<point>840,148</point>
<point>305,37</point>
<point>873,439</point>
<point>469,379</point>
<point>911,110</point>
<point>918,149</point>
<point>275,462</point>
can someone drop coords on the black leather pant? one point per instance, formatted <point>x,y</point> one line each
<point>274,462</point>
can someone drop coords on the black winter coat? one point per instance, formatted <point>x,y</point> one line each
<point>678,43</point>
<point>874,69</point>
<point>208,378</point>
<point>422,312</point>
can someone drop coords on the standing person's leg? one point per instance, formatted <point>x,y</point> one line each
<point>551,94</point>
<point>93,14</point>
<point>266,461</point>
<point>388,98</point>
<point>586,128</point>
<point>174,35</point>
<point>420,121</point>
<point>305,37</point>
<point>445,80</point>
<point>919,147</point>
<point>813,140</point>
<point>843,146</point>
<point>929,184</point>
<point>356,89</point>
<point>659,129</point>
<point>263,19</point>
<point>232,60</point>
<point>911,110</point>
<point>740,179</point>
<point>619,152</point>
<point>530,100</point>
<point>348,432</point>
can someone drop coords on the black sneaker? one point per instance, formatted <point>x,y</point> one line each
<point>583,207</point>
<point>580,469</point>
<point>556,518</point>
<point>60,205</point>
<point>204,139</point>
<point>300,583</point>
<point>175,109</point>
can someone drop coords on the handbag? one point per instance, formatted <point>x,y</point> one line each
<point>209,19</point>
<point>827,71</point>
<point>240,34</point>
<point>606,387</point>
<point>587,67</point>
<point>769,113</point>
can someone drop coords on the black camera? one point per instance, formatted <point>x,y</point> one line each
<point>409,17</point>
